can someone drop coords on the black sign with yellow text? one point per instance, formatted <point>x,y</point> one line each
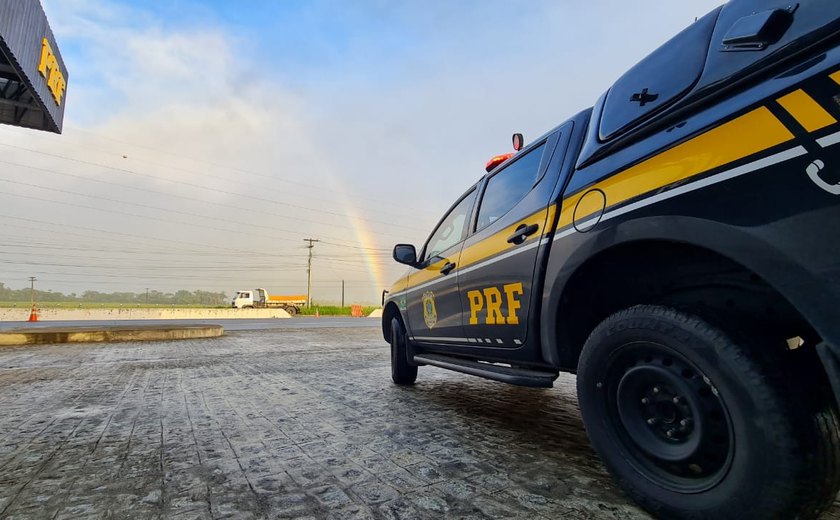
<point>33,77</point>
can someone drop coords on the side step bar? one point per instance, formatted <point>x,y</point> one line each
<point>511,375</point>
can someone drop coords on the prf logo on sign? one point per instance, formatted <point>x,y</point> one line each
<point>52,73</point>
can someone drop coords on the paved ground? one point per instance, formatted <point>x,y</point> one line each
<point>279,424</point>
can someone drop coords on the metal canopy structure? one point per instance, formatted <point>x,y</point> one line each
<point>33,78</point>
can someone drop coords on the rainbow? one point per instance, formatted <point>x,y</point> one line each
<point>365,239</point>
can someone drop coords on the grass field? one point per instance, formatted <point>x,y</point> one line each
<point>334,310</point>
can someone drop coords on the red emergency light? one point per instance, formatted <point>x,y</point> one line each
<point>518,143</point>
<point>497,160</point>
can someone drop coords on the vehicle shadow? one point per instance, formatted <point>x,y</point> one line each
<point>541,422</point>
<point>541,425</point>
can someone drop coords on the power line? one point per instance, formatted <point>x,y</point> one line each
<point>182,197</point>
<point>125,213</point>
<point>99,274</point>
<point>130,238</point>
<point>254,282</point>
<point>136,259</point>
<point>231,168</point>
<point>10,243</point>
<point>176,249</point>
<point>191,185</point>
<point>147,206</point>
<point>358,247</point>
<point>12,248</point>
<point>145,267</point>
<point>209,247</point>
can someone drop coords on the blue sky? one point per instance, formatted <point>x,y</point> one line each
<point>322,46</point>
<point>233,130</point>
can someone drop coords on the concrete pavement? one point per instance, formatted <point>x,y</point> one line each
<point>287,423</point>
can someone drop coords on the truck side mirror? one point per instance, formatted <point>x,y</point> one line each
<point>405,254</point>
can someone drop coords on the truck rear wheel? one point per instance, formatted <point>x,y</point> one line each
<point>402,373</point>
<point>693,424</point>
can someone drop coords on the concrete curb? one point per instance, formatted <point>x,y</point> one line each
<point>127,313</point>
<point>107,334</point>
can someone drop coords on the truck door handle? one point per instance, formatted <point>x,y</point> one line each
<point>447,268</point>
<point>522,232</point>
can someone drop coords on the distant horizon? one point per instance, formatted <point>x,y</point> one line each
<point>134,297</point>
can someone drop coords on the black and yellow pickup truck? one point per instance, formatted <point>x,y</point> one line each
<point>677,246</point>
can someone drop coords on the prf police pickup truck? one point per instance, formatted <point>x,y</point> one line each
<point>677,246</point>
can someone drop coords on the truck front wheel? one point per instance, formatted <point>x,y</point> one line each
<point>402,373</point>
<point>693,424</point>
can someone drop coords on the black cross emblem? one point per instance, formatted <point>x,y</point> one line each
<point>643,97</point>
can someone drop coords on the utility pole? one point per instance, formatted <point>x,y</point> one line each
<point>342,293</point>
<point>32,289</point>
<point>310,245</point>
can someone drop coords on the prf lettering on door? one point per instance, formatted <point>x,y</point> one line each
<point>491,299</point>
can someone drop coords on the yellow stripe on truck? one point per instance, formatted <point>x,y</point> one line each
<point>431,272</point>
<point>806,111</point>
<point>399,285</point>
<point>744,136</point>
<point>835,77</point>
<point>490,246</point>
<point>497,242</point>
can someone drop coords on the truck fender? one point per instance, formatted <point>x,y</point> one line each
<point>798,285</point>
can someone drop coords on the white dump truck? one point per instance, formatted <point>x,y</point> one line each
<point>260,299</point>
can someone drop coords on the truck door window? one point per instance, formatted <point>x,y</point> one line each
<point>508,186</point>
<point>452,229</point>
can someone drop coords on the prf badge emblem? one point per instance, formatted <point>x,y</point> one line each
<point>429,311</point>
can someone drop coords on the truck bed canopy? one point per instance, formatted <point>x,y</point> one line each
<point>730,48</point>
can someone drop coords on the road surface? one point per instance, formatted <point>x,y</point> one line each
<point>300,322</point>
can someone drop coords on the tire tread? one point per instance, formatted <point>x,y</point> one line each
<point>806,437</point>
